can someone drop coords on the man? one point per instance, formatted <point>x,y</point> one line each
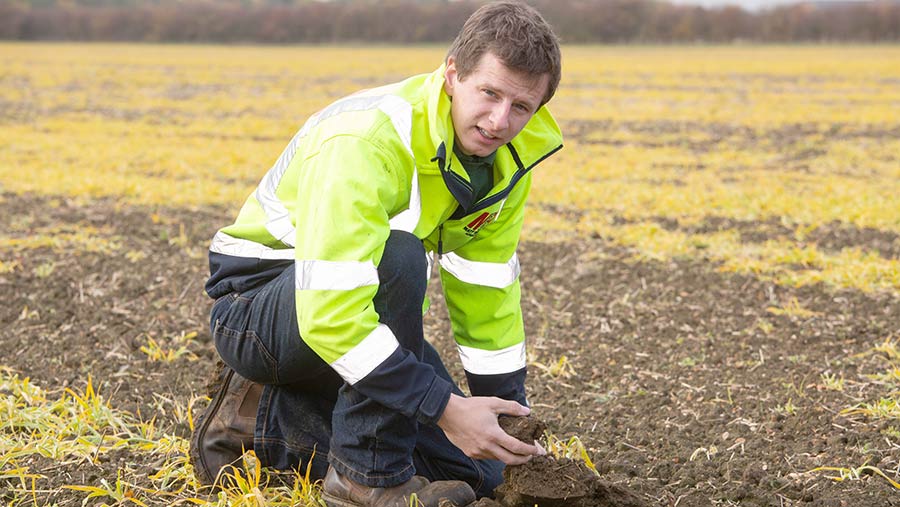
<point>320,283</point>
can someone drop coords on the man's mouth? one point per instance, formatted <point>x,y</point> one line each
<point>485,134</point>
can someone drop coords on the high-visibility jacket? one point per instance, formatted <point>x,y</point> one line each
<point>369,163</point>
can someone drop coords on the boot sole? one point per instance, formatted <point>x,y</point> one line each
<point>201,424</point>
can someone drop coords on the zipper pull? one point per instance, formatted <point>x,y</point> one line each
<point>440,241</point>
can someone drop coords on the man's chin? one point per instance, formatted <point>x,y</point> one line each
<point>478,147</point>
<point>480,150</point>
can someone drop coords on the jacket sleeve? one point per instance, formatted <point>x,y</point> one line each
<point>481,286</point>
<point>346,193</point>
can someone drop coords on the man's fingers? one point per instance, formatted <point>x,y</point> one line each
<point>515,459</point>
<point>513,408</point>
<point>510,458</point>
<point>471,424</point>
<point>516,446</point>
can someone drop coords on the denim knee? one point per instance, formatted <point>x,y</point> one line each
<point>402,281</point>
<point>403,263</point>
<point>238,345</point>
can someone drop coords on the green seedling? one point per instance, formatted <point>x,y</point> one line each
<point>44,270</point>
<point>135,255</point>
<point>832,382</point>
<point>884,408</point>
<point>855,474</point>
<point>891,376</point>
<point>765,326</point>
<point>788,408</point>
<point>247,487</point>
<point>573,448</point>
<point>709,452</point>
<point>889,348</point>
<point>176,475</point>
<point>21,473</point>
<point>8,266</point>
<point>892,432</point>
<point>690,362</point>
<point>796,358</point>
<point>794,309</point>
<point>156,352</point>
<point>305,491</point>
<point>121,491</point>
<point>181,239</point>
<point>562,368</point>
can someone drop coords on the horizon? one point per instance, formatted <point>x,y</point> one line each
<point>756,5</point>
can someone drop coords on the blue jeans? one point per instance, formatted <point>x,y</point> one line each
<point>307,414</point>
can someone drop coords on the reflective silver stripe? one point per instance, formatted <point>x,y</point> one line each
<point>492,362</point>
<point>400,113</point>
<point>365,357</point>
<point>489,274</point>
<point>278,221</point>
<point>334,275</point>
<point>409,219</point>
<point>429,258</point>
<point>236,247</point>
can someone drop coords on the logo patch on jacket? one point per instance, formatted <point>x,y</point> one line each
<point>482,220</point>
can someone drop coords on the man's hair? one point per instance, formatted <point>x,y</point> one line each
<point>516,34</point>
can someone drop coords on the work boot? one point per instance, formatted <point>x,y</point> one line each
<point>225,430</point>
<point>340,491</point>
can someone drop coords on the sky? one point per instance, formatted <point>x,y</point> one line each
<point>746,4</point>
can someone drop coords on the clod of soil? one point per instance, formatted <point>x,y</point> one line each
<point>548,482</point>
<point>526,429</point>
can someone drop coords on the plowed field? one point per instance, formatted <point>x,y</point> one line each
<point>711,267</point>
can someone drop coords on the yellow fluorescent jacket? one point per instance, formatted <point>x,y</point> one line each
<point>375,161</point>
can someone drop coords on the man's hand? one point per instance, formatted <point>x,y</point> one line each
<point>471,424</point>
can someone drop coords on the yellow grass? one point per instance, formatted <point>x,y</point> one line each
<point>802,136</point>
<point>76,426</point>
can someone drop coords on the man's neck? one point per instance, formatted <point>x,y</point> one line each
<point>473,159</point>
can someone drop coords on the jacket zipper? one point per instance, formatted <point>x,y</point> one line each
<point>489,200</point>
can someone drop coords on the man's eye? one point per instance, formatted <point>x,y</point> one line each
<point>490,93</point>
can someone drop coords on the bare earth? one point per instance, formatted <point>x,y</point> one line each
<point>686,389</point>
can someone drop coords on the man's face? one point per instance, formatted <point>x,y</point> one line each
<point>492,104</point>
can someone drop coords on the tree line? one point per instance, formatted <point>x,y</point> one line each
<point>424,21</point>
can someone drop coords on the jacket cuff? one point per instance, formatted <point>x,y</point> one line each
<point>407,385</point>
<point>435,401</point>
<point>509,386</point>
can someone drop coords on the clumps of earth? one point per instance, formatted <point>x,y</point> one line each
<point>550,482</point>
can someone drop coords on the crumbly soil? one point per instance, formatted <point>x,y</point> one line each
<point>686,389</point>
<point>551,482</point>
<point>526,429</point>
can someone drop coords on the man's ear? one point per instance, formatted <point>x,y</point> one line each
<point>451,76</point>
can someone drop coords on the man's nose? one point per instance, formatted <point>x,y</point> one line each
<point>500,116</point>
